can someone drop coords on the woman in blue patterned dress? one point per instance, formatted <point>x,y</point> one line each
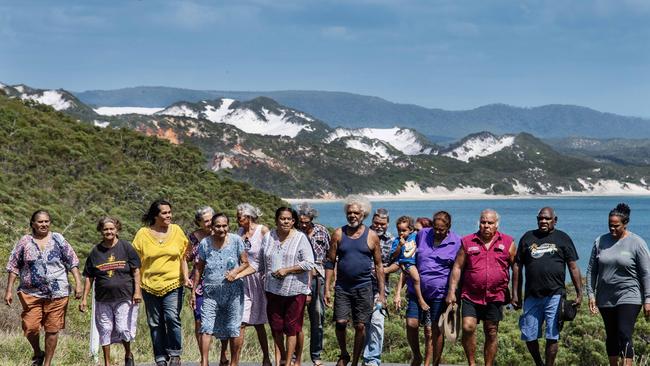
<point>222,263</point>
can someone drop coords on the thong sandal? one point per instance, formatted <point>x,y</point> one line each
<point>343,360</point>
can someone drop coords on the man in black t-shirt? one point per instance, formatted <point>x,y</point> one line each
<point>544,255</point>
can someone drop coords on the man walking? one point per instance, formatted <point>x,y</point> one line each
<point>544,255</point>
<point>353,249</point>
<point>375,328</point>
<point>319,238</point>
<point>484,259</point>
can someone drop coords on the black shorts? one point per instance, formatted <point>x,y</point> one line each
<point>492,311</point>
<point>358,302</point>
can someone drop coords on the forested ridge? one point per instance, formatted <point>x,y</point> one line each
<point>80,172</point>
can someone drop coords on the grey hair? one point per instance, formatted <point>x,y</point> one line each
<point>305,209</point>
<point>246,209</point>
<point>361,201</point>
<point>491,211</point>
<point>198,214</point>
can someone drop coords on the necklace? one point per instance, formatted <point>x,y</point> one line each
<point>160,237</point>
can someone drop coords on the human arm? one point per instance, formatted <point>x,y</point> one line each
<point>517,285</point>
<point>454,278</point>
<point>330,264</point>
<point>137,290</point>
<point>199,266</point>
<point>9,291</point>
<point>77,282</point>
<point>243,270</point>
<point>373,245</point>
<point>514,299</point>
<point>592,275</point>
<point>574,270</point>
<point>397,300</point>
<point>643,265</point>
<point>88,284</point>
<point>396,249</point>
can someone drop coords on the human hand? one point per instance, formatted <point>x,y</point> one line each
<point>83,306</point>
<point>646,311</point>
<point>9,297</point>
<point>592,306</point>
<point>280,273</point>
<point>451,298</point>
<point>397,301</point>
<point>78,291</point>
<point>578,301</point>
<point>193,301</point>
<point>188,283</point>
<point>137,296</point>
<point>326,298</point>
<point>381,299</point>
<point>515,302</point>
<point>308,300</point>
<point>231,276</point>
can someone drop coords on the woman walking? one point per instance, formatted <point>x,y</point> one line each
<point>42,261</point>
<point>114,267</point>
<point>254,297</point>
<point>618,284</point>
<point>162,247</point>
<point>222,263</point>
<point>285,261</point>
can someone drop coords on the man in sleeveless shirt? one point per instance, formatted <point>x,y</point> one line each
<point>353,251</point>
<point>544,254</point>
<point>484,259</point>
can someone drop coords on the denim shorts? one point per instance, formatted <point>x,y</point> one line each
<point>436,307</point>
<point>536,311</point>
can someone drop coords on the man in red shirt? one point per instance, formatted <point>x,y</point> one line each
<point>484,260</point>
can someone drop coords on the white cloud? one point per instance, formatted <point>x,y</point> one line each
<point>191,15</point>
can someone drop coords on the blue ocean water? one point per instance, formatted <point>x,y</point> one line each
<point>583,218</point>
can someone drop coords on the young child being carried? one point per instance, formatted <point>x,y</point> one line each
<point>403,255</point>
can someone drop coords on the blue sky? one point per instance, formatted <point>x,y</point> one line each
<point>450,54</point>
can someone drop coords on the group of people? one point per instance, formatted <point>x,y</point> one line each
<point>261,275</point>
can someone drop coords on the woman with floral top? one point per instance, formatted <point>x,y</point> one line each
<point>42,261</point>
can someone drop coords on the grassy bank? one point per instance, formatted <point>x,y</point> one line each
<point>582,342</point>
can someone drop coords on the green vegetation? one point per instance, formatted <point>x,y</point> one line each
<point>80,172</point>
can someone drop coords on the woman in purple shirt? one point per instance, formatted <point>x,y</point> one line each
<point>436,251</point>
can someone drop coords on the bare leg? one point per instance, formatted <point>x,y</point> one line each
<point>291,348</point>
<point>235,349</point>
<point>394,267</point>
<point>533,348</point>
<point>127,349</point>
<point>415,276</point>
<point>340,338</point>
<point>437,344</point>
<point>206,341</point>
<point>359,341</point>
<point>300,341</point>
<point>551,351</point>
<point>35,341</point>
<point>264,344</point>
<point>223,357</point>
<point>107,355</point>
<point>428,346</point>
<point>469,339</point>
<point>51,340</point>
<point>280,351</point>
<point>491,330</point>
<point>197,332</point>
<point>613,361</point>
<point>413,339</point>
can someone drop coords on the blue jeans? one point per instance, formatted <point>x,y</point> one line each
<point>164,320</point>
<point>316,311</point>
<point>374,338</point>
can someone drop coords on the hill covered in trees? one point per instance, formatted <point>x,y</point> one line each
<point>80,172</point>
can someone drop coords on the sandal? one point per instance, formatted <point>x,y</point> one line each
<point>225,362</point>
<point>318,363</point>
<point>343,360</point>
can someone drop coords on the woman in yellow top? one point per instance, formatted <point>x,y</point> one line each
<point>161,246</point>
